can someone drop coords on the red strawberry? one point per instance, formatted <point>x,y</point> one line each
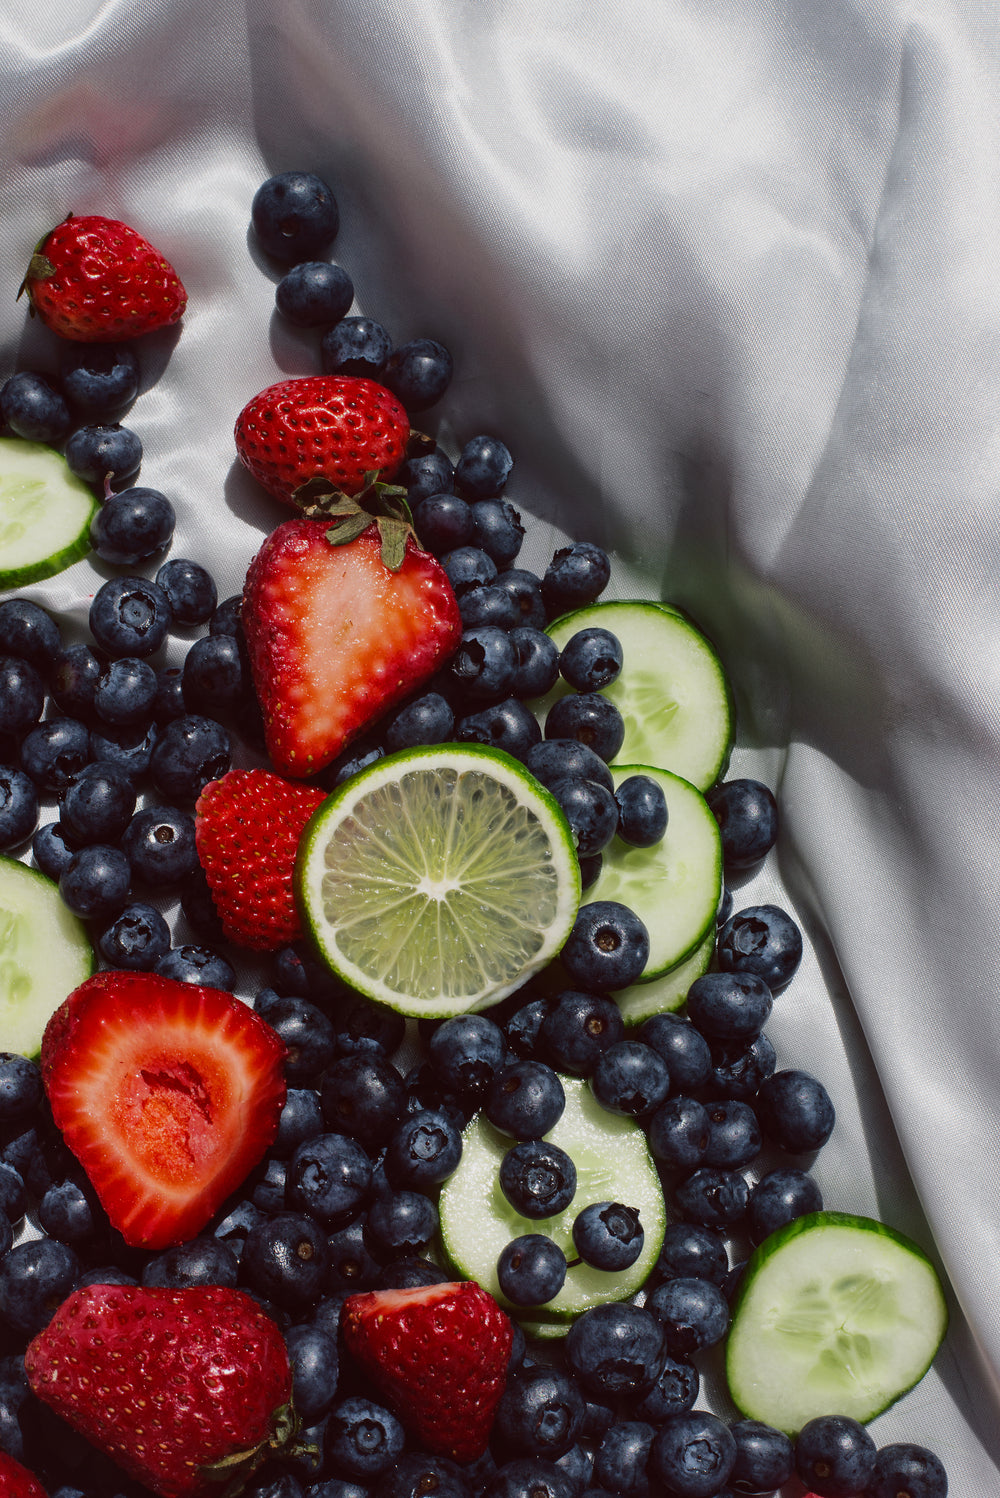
<point>16,1481</point>
<point>336,636</point>
<point>440,1353</point>
<point>184,1389</point>
<point>337,427</point>
<point>167,1093</point>
<point>247,827</point>
<point>96,280</point>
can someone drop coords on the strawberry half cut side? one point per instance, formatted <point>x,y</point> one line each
<point>167,1093</point>
<point>440,1353</point>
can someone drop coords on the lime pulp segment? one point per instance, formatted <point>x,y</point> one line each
<point>45,513</point>
<point>439,880</point>
<point>44,954</point>
<point>836,1314</point>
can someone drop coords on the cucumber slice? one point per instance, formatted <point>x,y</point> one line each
<point>674,886</point>
<point>613,1163</point>
<point>836,1315</point>
<point>667,993</point>
<point>45,513</point>
<point>44,954</point>
<point>672,692</point>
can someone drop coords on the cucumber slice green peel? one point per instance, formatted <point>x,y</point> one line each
<point>836,1314</point>
<point>45,513</point>
<point>45,953</point>
<point>613,1163</point>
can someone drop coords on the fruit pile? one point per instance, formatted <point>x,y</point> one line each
<point>271,1245</point>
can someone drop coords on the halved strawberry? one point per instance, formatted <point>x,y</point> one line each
<point>336,636</point>
<point>167,1093</point>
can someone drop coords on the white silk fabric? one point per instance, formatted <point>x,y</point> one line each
<point>724,277</point>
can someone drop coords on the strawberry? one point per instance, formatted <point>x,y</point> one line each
<point>247,828</point>
<point>95,280</point>
<point>440,1353</point>
<point>167,1093</point>
<point>341,624</point>
<point>16,1481</point>
<point>185,1389</point>
<point>337,427</point>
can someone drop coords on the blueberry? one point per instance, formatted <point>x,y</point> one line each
<point>683,1048</point>
<point>189,963</point>
<point>329,1177</point>
<point>22,695</point>
<point>189,752</point>
<point>355,346</point>
<point>490,605</point>
<point>482,668</point>
<point>506,724</point>
<point>607,948</point>
<point>33,408</point>
<point>734,1137</point>
<point>365,1026</point>
<point>363,1096</point>
<point>418,373</point>
<point>530,1477</point>
<point>676,1389</point>
<point>468,567</point>
<point>400,1224</point>
<point>693,1454</point>
<point>29,632</point>
<point>747,814</point>
<point>99,379</point>
<point>577,1028</point>
<point>497,529</point>
<point>19,807</point>
<point>795,1111</point>
<point>729,1006</point>
<point>314,294</point>
<point>835,1456</point>
<point>213,678</point>
<point>591,719</point>
<point>608,1235</point>
<point>35,1277</point>
<point>125,692</point>
<point>763,940</point>
<point>557,759</point>
<point>98,803</point>
<point>525,1100</point>
<point>205,1260</point>
<point>190,590</point>
<point>577,574</point>
<point>427,719</point>
<point>443,523</point>
<point>779,1198</point>
<point>132,525</point>
<point>537,659</point>
<point>903,1468</point>
<point>136,939</point>
<point>415,1474</point>
<point>53,751</point>
<point>227,617</point>
<point>712,1197</point>
<point>160,843</point>
<point>285,1258</point>
<point>129,748</point>
<point>129,616</point>
<point>75,673</point>
<point>689,1249</point>
<point>483,468</point>
<point>21,1089</point>
<point>591,811</point>
<point>427,473</point>
<point>466,1053</point>
<point>630,1078</point>
<point>294,216</point>
<point>592,658</point>
<point>616,1349</point>
<point>541,1413</point>
<point>410,1273</point>
<point>363,1438</point>
<point>13,1196</point>
<point>679,1133</point>
<point>621,1459</point>
<point>693,1312</point>
<point>765,1457</point>
<point>301,1118</point>
<point>104,454</point>
<point>537,1178</point>
<point>642,811</point>
<point>308,1034</point>
<point>312,1357</point>
<point>525,588</point>
<point>95,883</point>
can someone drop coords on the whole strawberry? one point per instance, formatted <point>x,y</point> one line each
<point>96,280</point>
<point>247,828</point>
<point>440,1353</point>
<point>16,1481</point>
<point>184,1389</point>
<point>338,427</point>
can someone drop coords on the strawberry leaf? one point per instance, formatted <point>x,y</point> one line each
<point>384,505</point>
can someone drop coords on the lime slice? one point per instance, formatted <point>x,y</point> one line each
<point>439,879</point>
<point>613,1163</point>
<point>674,886</point>
<point>45,513</point>
<point>835,1313</point>
<point>45,953</point>
<point>672,692</point>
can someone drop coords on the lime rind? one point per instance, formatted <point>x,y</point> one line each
<point>439,879</point>
<point>45,513</point>
<point>835,1313</point>
<point>45,952</point>
<point>673,692</point>
<point>674,886</point>
<point>613,1163</point>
